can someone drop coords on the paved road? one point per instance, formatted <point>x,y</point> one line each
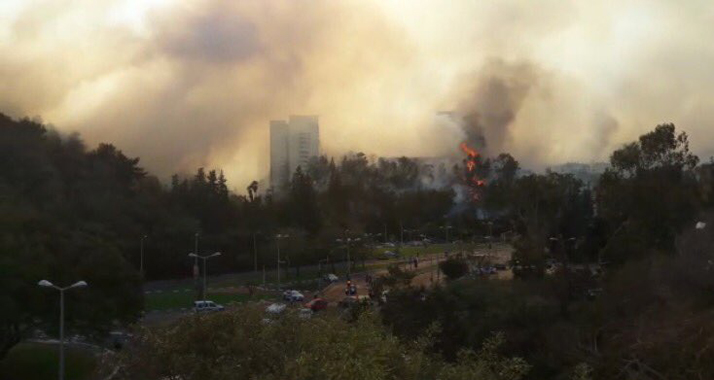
<point>427,272</point>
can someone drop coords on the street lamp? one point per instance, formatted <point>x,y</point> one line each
<point>195,261</point>
<point>446,228</point>
<point>48,284</point>
<point>277,243</point>
<point>347,241</point>
<point>141,256</point>
<point>562,242</point>
<point>205,264</point>
<point>255,252</point>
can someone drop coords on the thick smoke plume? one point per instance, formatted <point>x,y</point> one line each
<point>494,104</point>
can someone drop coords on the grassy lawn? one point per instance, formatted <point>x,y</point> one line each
<point>166,301</point>
<point>38,361</point>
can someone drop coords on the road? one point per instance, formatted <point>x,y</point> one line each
<point>427,273</point>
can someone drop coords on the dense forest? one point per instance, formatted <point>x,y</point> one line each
<point>68,211</point>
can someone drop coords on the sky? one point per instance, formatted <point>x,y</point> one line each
<point>185,84</point>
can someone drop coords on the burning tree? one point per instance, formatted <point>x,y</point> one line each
<point>473,177</point>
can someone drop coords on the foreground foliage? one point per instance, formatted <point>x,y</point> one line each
<point>241,345</point>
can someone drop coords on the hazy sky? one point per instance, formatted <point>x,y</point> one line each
<point>184,84</point>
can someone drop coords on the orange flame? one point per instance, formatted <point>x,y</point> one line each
<point>471,152</point>
<point>471,178</point>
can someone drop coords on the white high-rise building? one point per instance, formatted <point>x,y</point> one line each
<point>292,144</point>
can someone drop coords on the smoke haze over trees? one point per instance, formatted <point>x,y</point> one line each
<point>195,86</point>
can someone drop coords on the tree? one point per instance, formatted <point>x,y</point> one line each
<point>304,209</point>
<point>454,268</point>
<point>64,212</point>
<point>648,194</point>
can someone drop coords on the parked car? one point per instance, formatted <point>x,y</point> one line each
<point>275,308</point>
<point>383,298</point>
<point>317,304</point>
<point>293,296</point>
<point>206,306</point>
<point>305,313</point>
<point>331,278</point>
<point>390,254</point>
<point>593,293</point>
<point>118,339</point>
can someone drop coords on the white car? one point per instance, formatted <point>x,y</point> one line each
<point>276,308</point>
<point>305,313</point>
<point>206,306</point>
<point>390,254</point>
<point>293,296</point>
<point>331,278</point>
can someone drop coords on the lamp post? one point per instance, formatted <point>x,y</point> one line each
<point>141,257</point>
<point>195,261</point>
<point>255,253</point>
<point>347,241</point>
<point>48,284</point>
<point>205,264</point>
<point>446,229</point>
<point>401,233</point>
<point>277,244</point>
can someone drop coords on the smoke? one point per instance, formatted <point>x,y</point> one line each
<point>197,84</point>
<point>492,107</point>
<point>189,84</point>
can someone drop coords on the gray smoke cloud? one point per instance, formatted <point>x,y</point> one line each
<point>499,93</point>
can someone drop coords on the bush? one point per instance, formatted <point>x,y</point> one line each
<point>454,268</point>
<point>242,345</point>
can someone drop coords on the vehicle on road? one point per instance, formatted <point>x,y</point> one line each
<point>331,278</point>
<point>350,289</point>
<point>206,306</point>
<point>293,296</point>
<point>317,304</point>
